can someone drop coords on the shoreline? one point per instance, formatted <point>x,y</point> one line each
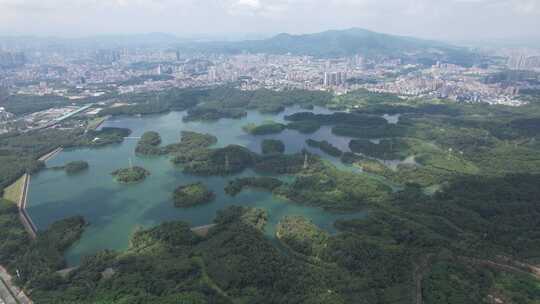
<point>101,121</point>
<point>15,294</point>
<point>202,231</point>
<point>22,202</point>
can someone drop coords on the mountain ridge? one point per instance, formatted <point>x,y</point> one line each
<point>344,43</point>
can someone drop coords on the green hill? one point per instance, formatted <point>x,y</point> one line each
<point>341,43</point>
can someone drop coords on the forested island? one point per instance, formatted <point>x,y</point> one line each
<point>268,127</point>
<point>235,159</point>
<point>304,126</point>
<point>132,175</point>
<point>190,141</point>
<point>192,195</point>
<point>325,146</point>
<point>75,167</point>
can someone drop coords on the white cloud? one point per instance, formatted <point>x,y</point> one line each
<point>527,6</point>
<point>432,18</point>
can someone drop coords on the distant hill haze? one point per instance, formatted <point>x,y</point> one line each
<point>328,44</point>
<point>343,43</point>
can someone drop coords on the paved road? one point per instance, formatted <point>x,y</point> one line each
<point>5,294</point>
<point>25,219</point>
<point>10,293</point>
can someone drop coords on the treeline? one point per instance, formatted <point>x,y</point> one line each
<point>355,119</point>
<point>325,146</point>
<point>19,153</point>
<point>25,104</point>
<point>149,144</point>
<point>237,185</point>
<point>395,148</point>
<point>266,128</point>
<point>160,102</point>
<point>35,261</point>
<point>362,98</point>
<point>216,103</point>
<point>226,102</point>
<point>272,146</point>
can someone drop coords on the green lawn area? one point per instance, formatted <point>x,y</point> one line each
<point>94,123</point>
<point>14,191</point>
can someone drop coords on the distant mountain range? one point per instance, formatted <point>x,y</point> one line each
<point>341,43</point>
<point>329,44</point>
<point>335,43</point>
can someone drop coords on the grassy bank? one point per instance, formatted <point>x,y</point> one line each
<point>14,191</point>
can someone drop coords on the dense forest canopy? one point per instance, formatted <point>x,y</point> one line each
<point>460,221</point>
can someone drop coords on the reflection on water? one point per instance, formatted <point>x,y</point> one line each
<point>114,211</point>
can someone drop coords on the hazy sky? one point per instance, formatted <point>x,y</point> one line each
<point>440,19</point>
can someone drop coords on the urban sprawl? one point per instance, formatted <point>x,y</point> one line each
<point>119,72</point>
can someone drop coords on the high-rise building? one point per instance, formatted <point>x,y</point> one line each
<point>107,56</point>
<point>339,78</point>
<point>12,59</point>
<point>333,78</point>
<point>212,74</point>
<point>359,61</point>
<point>326,80</point>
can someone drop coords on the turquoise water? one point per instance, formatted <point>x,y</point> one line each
<point>115,211</point>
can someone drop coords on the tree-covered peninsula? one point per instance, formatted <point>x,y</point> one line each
<point>192,195</point>
<point>325,146</point>
<point>149,144</point>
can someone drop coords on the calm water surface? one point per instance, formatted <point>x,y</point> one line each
<point>115,211</point>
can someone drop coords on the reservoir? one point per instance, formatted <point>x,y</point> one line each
<point>114,211</point>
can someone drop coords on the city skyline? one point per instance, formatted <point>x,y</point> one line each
<point>462,20</point>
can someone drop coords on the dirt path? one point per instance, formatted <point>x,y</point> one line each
<point>208,280</point>
<point>507,265</point>
<point>6,297</point>
<point>420,270</point>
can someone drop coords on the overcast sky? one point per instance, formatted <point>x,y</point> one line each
<point>440,19</point>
